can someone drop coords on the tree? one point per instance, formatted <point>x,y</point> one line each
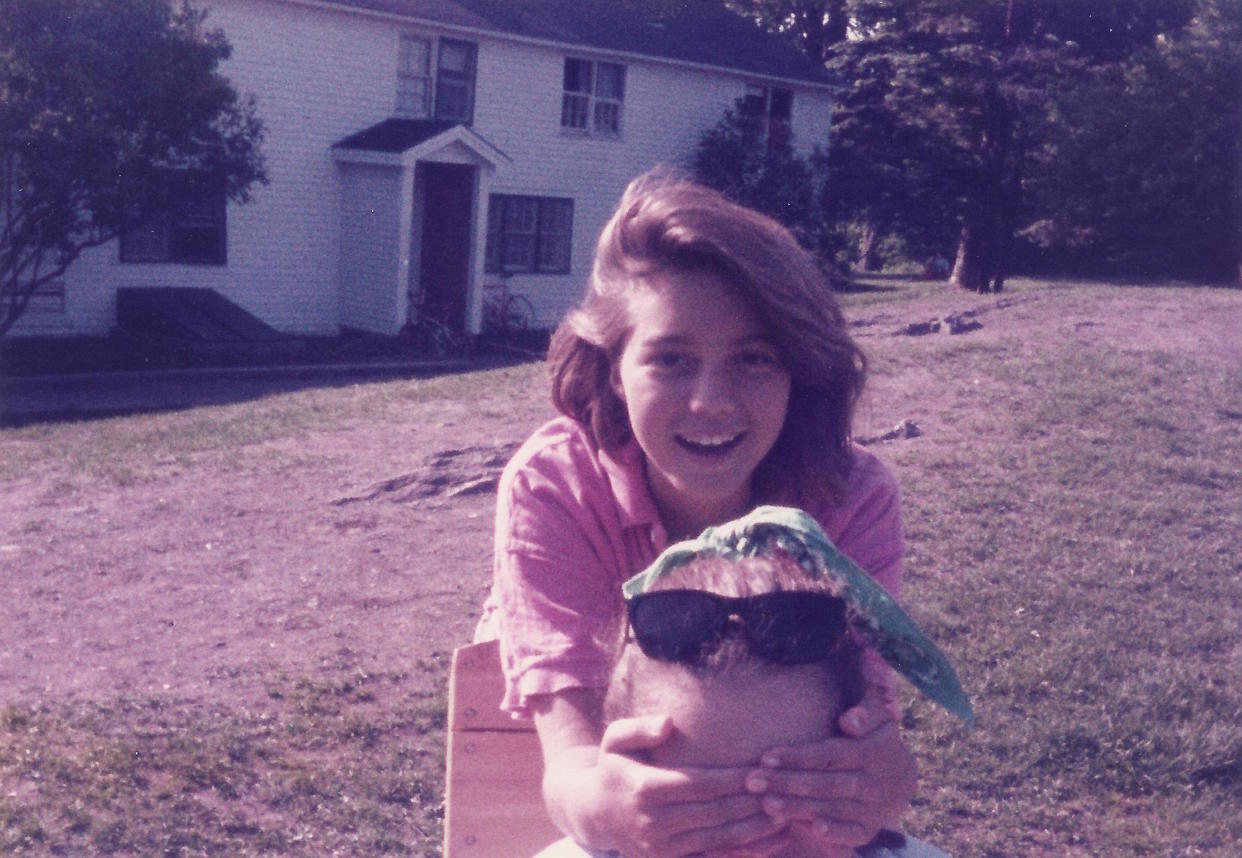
<point>953,95</point>
<point>100,100</point>
<point>815,26</point>
<point>738,158</point>
<point>1147,176</point>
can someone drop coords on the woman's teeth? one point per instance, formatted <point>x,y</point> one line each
<point>709,443</point>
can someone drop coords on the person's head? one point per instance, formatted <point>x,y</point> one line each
<point>675,252</point>
<point>728,699</point>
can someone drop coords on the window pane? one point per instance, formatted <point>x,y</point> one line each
<point>555,234</point>
<point>574,110</point>
<point>608,117</point>
<point>412,98</point>
<point>457,57</point>
<point>495,219</point>
<point>577,76</point>
<point>520,214</point>
<point>415,56</point>
<point>453,100</point>
<point>519,252</point>
<point>556,216</point>
<point>611,81</point>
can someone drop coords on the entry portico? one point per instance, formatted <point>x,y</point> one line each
<point>413,223</point>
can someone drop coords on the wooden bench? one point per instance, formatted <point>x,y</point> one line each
<point>493,804</point>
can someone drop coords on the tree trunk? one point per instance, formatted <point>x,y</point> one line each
<point>869,247</point>
<point>970,266</point>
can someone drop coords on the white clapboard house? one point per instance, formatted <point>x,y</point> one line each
<point>419,151</point>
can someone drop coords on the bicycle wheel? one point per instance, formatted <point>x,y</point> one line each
<point>517,314</point>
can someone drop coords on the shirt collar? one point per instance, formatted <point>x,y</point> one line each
<point>626,470</point>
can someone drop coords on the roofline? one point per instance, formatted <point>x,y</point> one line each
<point>468,137</point>
<point>458,29</point>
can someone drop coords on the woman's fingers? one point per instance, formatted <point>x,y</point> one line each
<point>738,833</point>
<point>845,789</point>
<point>627,735</point>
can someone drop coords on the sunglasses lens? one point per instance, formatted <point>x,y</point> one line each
<point>794,628</point>
<point>676,625</point>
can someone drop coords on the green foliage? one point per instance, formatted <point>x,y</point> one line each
<point>98,100</point>
<point>813,25</point>
<point>1147,176</point>
<point>737,158</point>
<point>948,104</point>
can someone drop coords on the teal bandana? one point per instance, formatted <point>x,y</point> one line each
<point>872,612</point>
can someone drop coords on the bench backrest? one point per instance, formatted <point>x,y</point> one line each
<point>493,803</point>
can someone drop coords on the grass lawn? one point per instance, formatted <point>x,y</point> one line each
<point>1073,508</point>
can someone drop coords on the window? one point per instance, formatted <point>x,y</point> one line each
<point>774,107</point>
<point>414,78</point>
<point>189,227</point>
<point>529,234</point>
<point>594,93</point>
<point>455,81</point>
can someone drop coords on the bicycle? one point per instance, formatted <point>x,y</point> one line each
<point>507,316</point>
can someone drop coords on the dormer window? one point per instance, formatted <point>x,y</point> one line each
<point>594,93</point>
<point>773,106</point>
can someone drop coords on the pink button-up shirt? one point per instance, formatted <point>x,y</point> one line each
<point>573,522</point>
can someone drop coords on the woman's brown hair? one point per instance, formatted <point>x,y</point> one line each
<point>668,223</point>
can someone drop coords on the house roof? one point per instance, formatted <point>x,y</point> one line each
<point>696,31</point>
<point>394,135</point>
<point>404,141</point>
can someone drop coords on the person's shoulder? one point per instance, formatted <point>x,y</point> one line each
<point>871,493</point>
<point>869,474</point>
<point>559,451</point>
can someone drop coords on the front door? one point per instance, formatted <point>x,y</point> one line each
<point>444,269</point>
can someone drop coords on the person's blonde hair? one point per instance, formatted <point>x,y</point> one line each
<point>665,223</point>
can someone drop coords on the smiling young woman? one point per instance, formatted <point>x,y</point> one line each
<point>708,370</point>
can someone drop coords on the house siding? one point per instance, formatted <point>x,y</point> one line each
<point>320,74</point>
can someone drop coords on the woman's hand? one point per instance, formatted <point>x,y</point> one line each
<point>605,798</point>
<point>844,789</point>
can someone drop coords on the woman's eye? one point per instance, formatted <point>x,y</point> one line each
<point>759,359</point>
<point>668,360</point>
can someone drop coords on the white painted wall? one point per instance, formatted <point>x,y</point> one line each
<point>319,75</point>
<point>370,258</point>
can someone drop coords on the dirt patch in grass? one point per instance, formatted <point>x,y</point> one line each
<point>226,630</point>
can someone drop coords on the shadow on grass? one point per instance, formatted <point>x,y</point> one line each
<point>56,380</point>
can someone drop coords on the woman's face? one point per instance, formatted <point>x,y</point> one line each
<point>706,395</point>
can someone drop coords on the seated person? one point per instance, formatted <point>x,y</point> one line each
<point>741,654</point>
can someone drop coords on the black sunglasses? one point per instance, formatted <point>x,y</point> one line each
<point>788,627</point>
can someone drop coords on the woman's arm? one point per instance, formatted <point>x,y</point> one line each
<point>599,794</point>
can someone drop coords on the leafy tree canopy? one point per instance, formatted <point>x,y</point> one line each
<point>99,99</point>
<point>949,101</point>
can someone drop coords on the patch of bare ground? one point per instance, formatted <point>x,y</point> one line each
<point>226,630</point>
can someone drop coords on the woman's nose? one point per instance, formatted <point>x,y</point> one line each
<point>713,391</point>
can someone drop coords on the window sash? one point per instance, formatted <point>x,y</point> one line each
<point>414,78</point>
<point>455,79</point>
<point>593,96</point>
